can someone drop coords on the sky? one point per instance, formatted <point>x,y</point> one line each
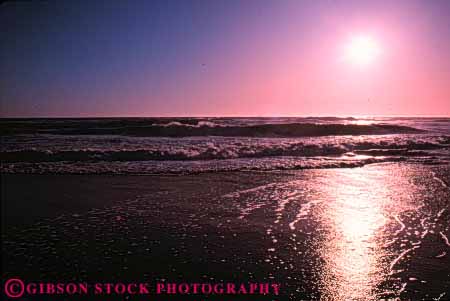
<point>224,58</point>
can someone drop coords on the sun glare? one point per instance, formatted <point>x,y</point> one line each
<point>362,50</point>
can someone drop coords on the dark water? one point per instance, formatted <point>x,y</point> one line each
<point>380,232</point>
<point>334,209</point>
<point>186,145</point>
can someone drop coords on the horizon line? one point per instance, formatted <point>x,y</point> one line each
<point>226,116</point>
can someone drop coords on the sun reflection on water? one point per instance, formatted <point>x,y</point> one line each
<point>359,207</point>
<point>354,232</point>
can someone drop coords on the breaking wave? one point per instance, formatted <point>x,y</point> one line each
<point>207,128</point>
<point>215,151</point>
<point>189,145</point>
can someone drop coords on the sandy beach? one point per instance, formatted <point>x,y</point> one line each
<point>370,233</point>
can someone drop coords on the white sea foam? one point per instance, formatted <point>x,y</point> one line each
<point>398,258</point>
<point>445,238</point>
<point>103,146</point>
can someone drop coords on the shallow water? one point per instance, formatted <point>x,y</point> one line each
<point>365,225</point>
<point>369,233</point>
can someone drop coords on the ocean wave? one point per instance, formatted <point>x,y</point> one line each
<point>201,128</point>
<point>191,167</point>
<point>190,145</point>
<point>263,130</point>
<point>192,125</point>
<point>232,150</point>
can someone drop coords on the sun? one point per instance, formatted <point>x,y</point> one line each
<point>362,50</point>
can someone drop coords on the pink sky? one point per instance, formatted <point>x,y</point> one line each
<point>235,59</point>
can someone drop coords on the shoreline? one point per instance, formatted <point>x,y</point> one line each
<point>380,229</point>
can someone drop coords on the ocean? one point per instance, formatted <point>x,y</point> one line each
<point>323,208</point>
<point>192,145</point>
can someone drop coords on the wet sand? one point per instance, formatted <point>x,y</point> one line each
<point>370,233</point>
